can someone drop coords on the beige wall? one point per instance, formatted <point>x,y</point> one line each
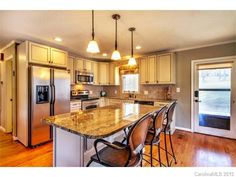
<point>184,58</point>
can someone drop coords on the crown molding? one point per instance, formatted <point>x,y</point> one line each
<point>202,46</point>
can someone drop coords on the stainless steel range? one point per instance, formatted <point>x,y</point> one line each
<point>86,101</point>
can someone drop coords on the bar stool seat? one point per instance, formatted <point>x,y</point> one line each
<point>116,158</point>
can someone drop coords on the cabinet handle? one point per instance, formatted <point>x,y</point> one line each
<point>157,81</point>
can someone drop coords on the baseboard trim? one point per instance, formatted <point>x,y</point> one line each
<point>2,129</point>
<point>184,129</point>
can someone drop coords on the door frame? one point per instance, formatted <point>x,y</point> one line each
<point>206,60</point>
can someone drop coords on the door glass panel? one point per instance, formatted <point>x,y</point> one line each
<point>214,98</point>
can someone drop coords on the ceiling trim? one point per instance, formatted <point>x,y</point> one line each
<point>202,46</point>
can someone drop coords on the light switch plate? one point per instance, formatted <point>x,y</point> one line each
<point>115,91</point>
<point>90,92</point>
<point>145,92</point>
<point>177,89</point>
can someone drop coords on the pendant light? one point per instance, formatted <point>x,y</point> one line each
<point>132,61</point>
<point>93,46</point>
<point>116,53</point>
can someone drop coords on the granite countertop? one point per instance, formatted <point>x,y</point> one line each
<point>143,99</point>
<point>100,122</point>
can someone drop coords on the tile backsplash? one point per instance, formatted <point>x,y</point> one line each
<point>145,91</point>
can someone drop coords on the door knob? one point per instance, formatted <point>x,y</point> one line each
<point>197,101</point>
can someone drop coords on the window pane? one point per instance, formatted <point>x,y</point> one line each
<point>214,78</point>
<point>130,83</point>
<point>214,102</point>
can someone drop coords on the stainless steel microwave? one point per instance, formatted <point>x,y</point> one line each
<point>84,77</point>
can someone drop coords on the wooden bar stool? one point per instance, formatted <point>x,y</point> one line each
<point>167,130</point>
<point>117,154</point>
<point>153,135</point>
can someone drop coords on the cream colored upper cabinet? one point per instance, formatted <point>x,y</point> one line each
<point>71,70</point>
<point>95,73</point>
<point>39,54</point>
<point>143,70</point>
<point>78,64</point>
<point>42,54</point>
<point>103,73</point>
<point>166,69</point>
<point>151,69</point>
<point>114,76</point>
<point>88,65</point>
<point>59,57</point>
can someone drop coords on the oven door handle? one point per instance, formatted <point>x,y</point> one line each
<point>91,106</point>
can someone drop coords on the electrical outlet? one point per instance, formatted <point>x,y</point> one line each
<point>90,92</point>
<point>177,89</point>
<point>145,92</point>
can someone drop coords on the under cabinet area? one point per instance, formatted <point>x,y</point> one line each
<point>45,55</point>
<point>157,69</point>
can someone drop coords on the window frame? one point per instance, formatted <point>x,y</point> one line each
<point>122,84</point>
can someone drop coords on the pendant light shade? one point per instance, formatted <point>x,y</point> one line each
<point>116,53</point>
<point>132,61</point>
<point>93,46</point>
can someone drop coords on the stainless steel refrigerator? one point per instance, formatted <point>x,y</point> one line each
<point>49,95</point>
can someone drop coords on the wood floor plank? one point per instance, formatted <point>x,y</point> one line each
<point>192,150</point>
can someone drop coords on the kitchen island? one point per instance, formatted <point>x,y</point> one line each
<point>74,133</point>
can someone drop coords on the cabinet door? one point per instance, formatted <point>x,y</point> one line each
<point>88,65</point>
<point>79,64</point>
<point>151,71</point>
<point>39,53</point>
<point>112,74</point>
<point>95,73</point>
<point>164,68</point>
<point>103,73</point>
<point>59,57</point>
<point>71,70</point>
<point>143,70</point>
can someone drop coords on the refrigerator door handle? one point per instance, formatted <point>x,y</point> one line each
<point>53,94</point>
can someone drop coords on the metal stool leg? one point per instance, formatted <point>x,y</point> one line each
<point>89,163</point>
<point>141,163</point>
<point>159,154</point>
<point>172,149</point>
<point>166,150</point>
<point>151,155</point>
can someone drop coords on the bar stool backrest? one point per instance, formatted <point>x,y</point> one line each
<point>169,113</point>
<point>159,119</point>
<point>138,133</point>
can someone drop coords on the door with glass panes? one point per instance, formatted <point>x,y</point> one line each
<point>214,98</point>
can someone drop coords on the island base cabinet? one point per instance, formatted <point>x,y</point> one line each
<point>69,149</point>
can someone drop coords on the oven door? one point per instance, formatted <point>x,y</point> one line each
<point>89,104</point>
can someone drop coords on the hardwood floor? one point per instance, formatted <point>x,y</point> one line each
<point>192,150</point>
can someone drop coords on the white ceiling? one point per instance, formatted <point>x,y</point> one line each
<point>156,30</point>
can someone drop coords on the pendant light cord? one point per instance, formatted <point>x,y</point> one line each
<point>93,34</point>
<point>116,36</point>
<point>132,49</point>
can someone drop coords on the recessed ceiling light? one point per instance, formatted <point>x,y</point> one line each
<point>58,39</point>
<point>104,54</point>
<point>138,47</point>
